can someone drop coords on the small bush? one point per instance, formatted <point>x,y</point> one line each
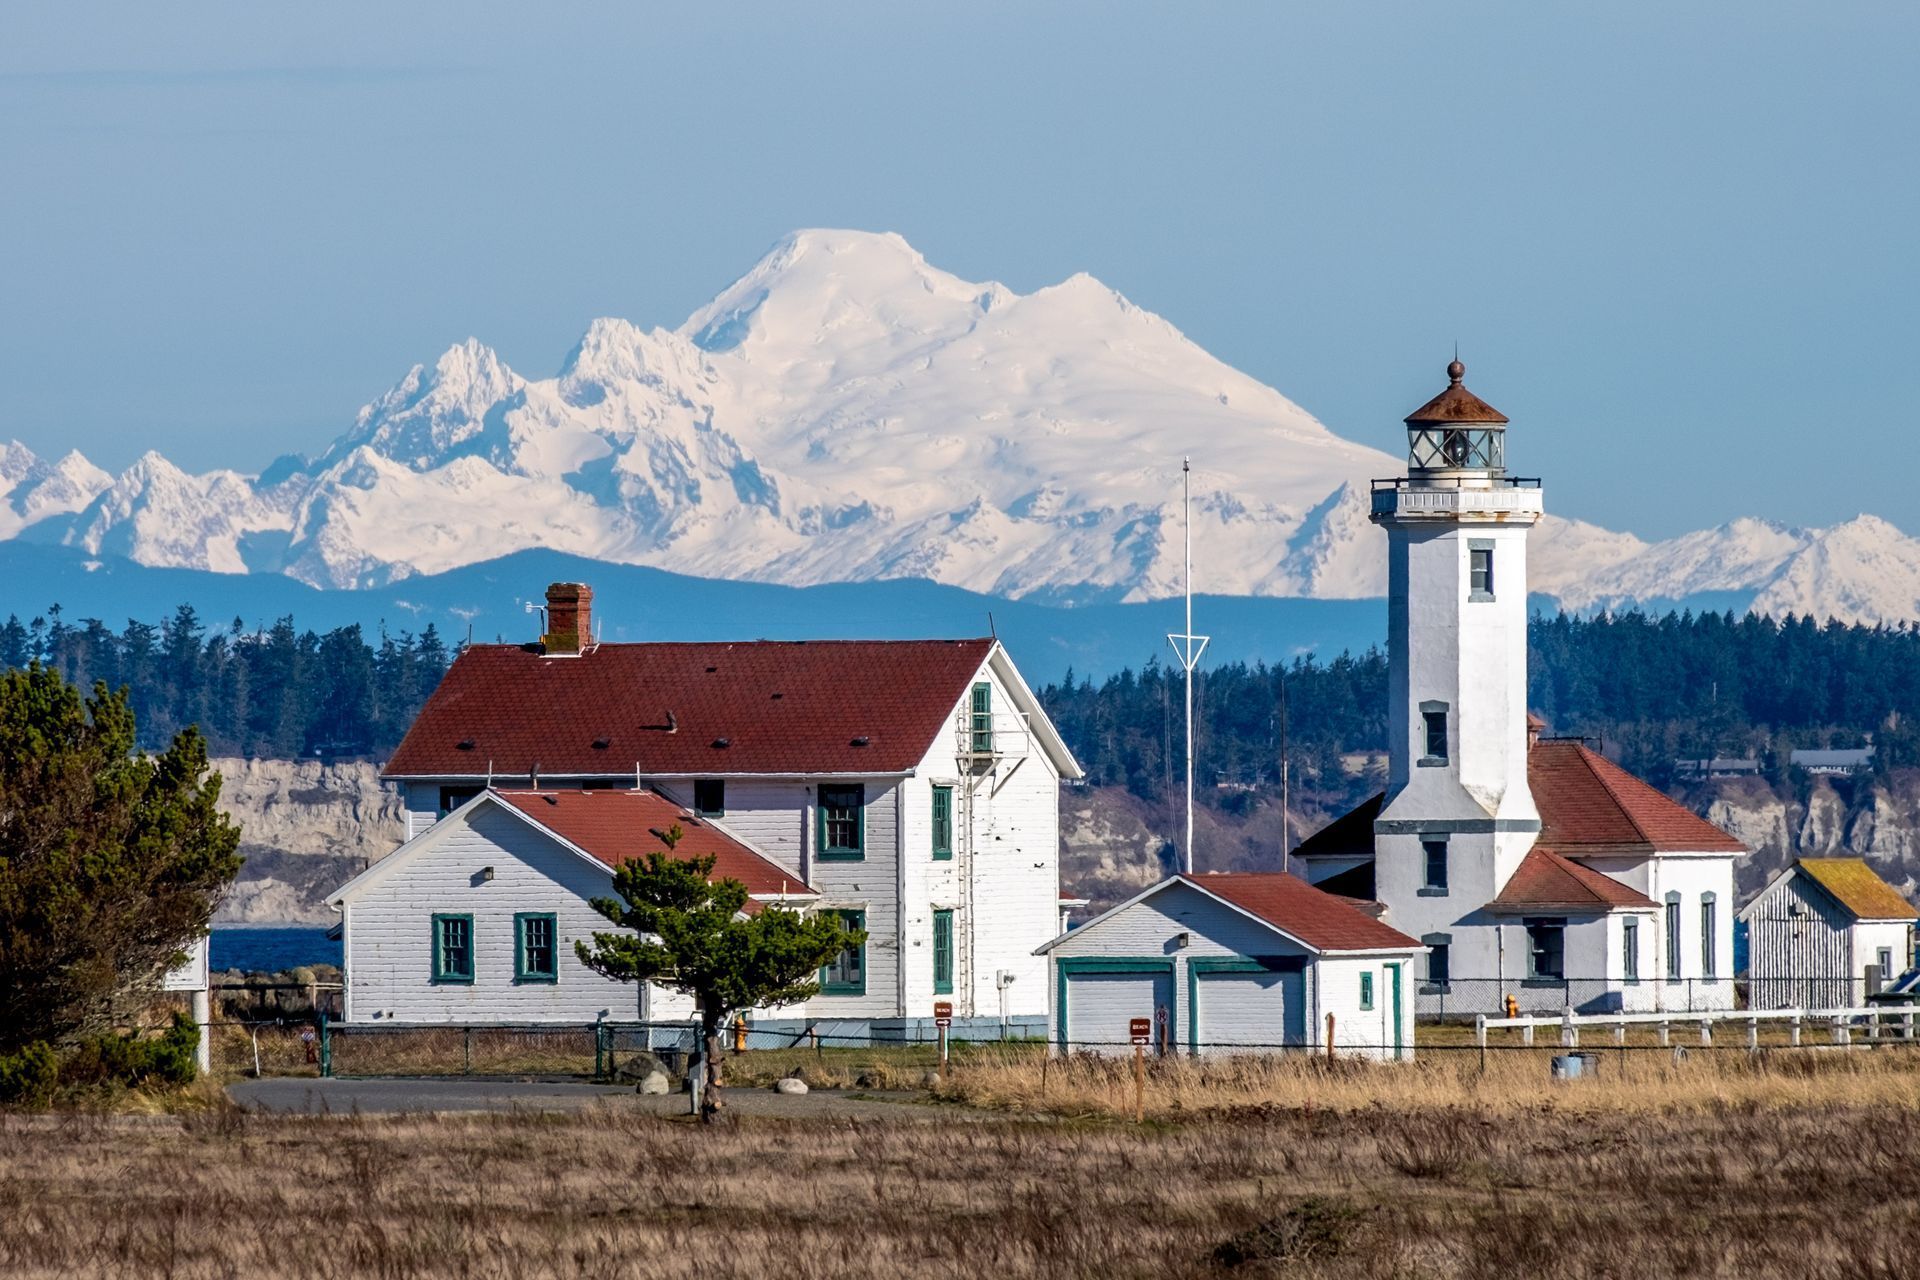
<point>1313,1229</point>
<point>28,1077</point>
<point>130,1060</point>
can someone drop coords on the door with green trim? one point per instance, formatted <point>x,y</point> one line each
<point>1393,1007</point>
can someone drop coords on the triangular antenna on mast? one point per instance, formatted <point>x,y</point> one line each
<point>1188,647</point>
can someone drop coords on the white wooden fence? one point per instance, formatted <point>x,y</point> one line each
<point>1896,1023</point>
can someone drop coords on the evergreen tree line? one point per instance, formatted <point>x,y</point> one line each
<point>274,692</point>
<point>1649,690</point>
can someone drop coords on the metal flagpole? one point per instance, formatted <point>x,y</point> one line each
<point>1185,647</point>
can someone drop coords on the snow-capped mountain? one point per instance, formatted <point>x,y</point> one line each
<point>32,490</point>
<point>845,411</point>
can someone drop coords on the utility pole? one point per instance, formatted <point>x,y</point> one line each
<point>1186,648</point>
<point>1286,831</point>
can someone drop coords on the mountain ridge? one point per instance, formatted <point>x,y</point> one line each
<point>845,411</point>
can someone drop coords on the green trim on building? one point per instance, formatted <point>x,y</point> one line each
<point>943,952</point>
<point>523,971</point>
<point>842,792</point>
<point>943,824</point>
<point>848,987</point>
<point>442,971</point>
<point>981,722</point>
<point>1067,966</point>
<point>1198,965</point>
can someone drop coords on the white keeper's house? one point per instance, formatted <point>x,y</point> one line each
<point>1530,868</point>
<point>910,787</point>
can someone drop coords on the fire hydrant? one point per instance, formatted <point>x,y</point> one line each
<point>1513,1006</point>
<point>740,1034</point>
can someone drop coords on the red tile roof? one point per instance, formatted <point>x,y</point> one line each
<point>1545,881</point>
<point>779,707</point>
<point>1590,805</point>
<point>614,826</point>
<point>1288,903</point>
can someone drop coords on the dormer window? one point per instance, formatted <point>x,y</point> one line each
<point>710,797</point>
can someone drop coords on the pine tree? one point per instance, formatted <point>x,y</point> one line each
<point>690,933</point>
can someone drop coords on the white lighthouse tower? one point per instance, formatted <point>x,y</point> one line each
<point>1457,816</point>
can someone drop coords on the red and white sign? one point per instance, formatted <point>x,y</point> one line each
<point>943,1013</point>
<point>1141,1029</point>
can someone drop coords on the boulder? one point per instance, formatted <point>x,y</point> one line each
<point>655,1082</point>
<point>633,1068</point>
<point>789,1084</point>
<point>931,1080</point>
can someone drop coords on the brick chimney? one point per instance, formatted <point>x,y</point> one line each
<point>569,618</point>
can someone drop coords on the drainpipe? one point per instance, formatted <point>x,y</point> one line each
<point>900,894</point>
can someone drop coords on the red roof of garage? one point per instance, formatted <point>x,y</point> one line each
<point>1291,905</point>
<point>615,826</point>
<point>753,707</point>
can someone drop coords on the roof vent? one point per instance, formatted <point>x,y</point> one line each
<point>722,743</point>
<point>711,670</point>
<point>860,741</point>
<point>551,799</point>
<point>778,695</point>
<point>465,744</point>
<point>601,744</point>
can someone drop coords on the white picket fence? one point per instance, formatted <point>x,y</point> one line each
<point>1879,1022</point>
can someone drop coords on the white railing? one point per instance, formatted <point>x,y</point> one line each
<point>1839,1023</point>
<point>1412,501</point>
<point>1007,734</point>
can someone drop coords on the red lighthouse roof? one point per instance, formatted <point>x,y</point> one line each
<point>1455,405</point>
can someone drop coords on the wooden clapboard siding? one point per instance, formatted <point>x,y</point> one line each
<point>389,943</point>
<point>1800,959</point>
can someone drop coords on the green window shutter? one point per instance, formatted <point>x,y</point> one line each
<point>840,823</point>
<point>536,947</point>
<point>943,953</point>
<point>942,823</point>
<point>452,948</point>
<point>846,973</point>
<point>982,720</point>
<point>1366,991</point>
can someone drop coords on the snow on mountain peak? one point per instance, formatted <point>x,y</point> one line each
<point>34,490</point>
<point>847,411</point>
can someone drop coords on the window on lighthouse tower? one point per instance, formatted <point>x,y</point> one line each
<point>1434,720</point>
<point>1480,571</point>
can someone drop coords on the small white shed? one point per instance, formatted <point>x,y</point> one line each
<point>1825,934</point>
<point>1235,963</point>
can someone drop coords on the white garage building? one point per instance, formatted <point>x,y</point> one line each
<point>1236,963</point>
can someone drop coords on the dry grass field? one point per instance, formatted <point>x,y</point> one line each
<point>1638,1080</point>
<point>1793,1190</point>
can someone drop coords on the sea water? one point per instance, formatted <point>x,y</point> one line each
<point>270,948</point>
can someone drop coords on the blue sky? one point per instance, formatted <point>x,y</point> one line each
<point>1677,243</point>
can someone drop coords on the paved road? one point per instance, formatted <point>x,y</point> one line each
<point>340,1097</point>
